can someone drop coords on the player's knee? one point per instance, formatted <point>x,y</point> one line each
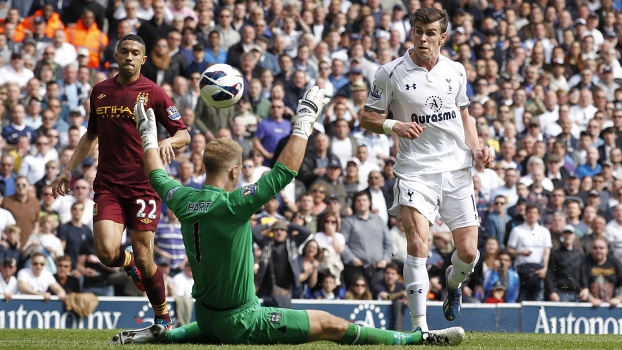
<point>106,255</point>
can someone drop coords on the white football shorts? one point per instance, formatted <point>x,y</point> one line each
<point>449,194</point>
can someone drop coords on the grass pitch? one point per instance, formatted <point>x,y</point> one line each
<point>55,339</point>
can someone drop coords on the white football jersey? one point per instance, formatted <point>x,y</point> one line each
<point>431,99</point>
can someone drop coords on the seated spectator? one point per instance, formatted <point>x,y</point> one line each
<point>328,235</point>
<point>183,282</point>
<point>8,282</point>
<point>95,273</point>
<point>389,288</point>
<point>328,289</point>
<point>24,207</point>
<point>359,290</point>
<point>498,294</point>
<point>168,242</point>
<point>604,275</point>
<point>10,246</point>
<point>309,262</point>
<point>45,241</point>
<point>63,275</point>
<point>36,280</point>
<point>504,275</point>
<point>488,260</point>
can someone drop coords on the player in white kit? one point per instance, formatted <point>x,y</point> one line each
<point>437,142</point>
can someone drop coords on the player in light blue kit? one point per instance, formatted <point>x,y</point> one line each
<point>437,142</point>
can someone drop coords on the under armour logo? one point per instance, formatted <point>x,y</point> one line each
<point>414,86</point>
<point>412,291</point>
<point>410,196</point>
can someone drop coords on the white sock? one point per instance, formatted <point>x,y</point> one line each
<point>460,270</point>
<point>417,286</point>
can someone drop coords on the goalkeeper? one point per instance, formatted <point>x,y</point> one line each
<point>217,234</point>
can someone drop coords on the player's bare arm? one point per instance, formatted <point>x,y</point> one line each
<point>374,121</point>
<point>83,149</point>
<point>482,153</point>
<point>177,141</point>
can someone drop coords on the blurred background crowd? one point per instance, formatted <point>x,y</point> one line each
<point>544,81</point>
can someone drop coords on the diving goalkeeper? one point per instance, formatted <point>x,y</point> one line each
<point>217,234</point>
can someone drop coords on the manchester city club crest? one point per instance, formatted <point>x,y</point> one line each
<point>142,97</point>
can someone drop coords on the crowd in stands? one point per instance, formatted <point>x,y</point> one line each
<point>545,83</point>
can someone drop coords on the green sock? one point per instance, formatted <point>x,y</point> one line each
<point>356,335</point>
<point>189,333</point>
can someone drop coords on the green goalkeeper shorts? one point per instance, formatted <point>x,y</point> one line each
<point>253,324</point>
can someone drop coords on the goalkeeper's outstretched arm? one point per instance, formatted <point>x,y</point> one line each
<point>308,110</point>
<point>148,130</point>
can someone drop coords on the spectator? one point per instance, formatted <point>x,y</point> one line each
<point>17,129</point>
<point>613,231</point>
<point>63,276</point>
<point>327,292</point>
<point>504,275</point>
<point>497,295</point>
<point>81,191</point>
<point>15,71</point>
<point>183,282</point>
<point>279,268</point>
<point>508,189</point>
<point>7,176</point>
<point>160,66</point>
<point>36,280</point>
<point>573,213</point>
<point>87,34</point>
<point>25,209</point>
<point>52,169</point>
<point>363,231</point>
<point>165,265</point>
<point>604,275</point>
<point>531,245</point>
<point>184,175</point>
<point>95,274</point>
<point>497,220</point>
<point>45,241</point>
<point>271,131</point>
<point>73,233</point>
<point>10,245</point>
<point>156,27</point>
<point>8,282</point>
<point>33,166</point>
<point>169,242</point>
<point>309,263</point>
<point>566,278</point>
<point>358,290</point>
<point>315,164</point>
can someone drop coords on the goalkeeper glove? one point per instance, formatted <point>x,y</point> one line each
<point>308,110</point>
<point>146,125</point>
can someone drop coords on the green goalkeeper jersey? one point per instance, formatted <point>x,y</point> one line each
<point>216,229</point>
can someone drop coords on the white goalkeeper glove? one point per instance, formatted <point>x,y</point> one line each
<point>146,125</point>
<point>308,110</point>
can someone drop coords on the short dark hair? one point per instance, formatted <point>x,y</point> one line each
<point>133,37</point>
<point>431,15</point>
<point>362,193</point>
<point>392,266</point>
<point>532,206</point>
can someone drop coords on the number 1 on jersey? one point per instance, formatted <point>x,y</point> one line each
<point>196,229</point>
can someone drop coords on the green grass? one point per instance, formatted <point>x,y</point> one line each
<point>98,339</point>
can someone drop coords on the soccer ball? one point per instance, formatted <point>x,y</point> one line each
<point>221,85</point>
